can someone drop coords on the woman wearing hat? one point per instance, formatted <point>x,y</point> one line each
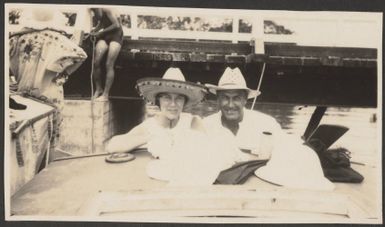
<point>183,152</point>
<point>41,57</point>
<point>171,94</point>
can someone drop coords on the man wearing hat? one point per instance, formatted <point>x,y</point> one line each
<point>261,136</point>
<point>254,132</point>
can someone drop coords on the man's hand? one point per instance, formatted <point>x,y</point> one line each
<point>96,31</point>
<point>95,34</point>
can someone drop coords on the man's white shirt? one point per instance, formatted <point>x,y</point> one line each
<point>258,132</point>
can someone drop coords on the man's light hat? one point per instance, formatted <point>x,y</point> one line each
<point>295,165</point>
<point>172,81</point>
<point>232,79</point>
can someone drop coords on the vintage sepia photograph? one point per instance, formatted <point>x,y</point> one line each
<point>122,113</point>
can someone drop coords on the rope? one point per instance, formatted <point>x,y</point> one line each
<point>259,85</point>
<point>50,140</point>
<point>93,40</point>
<point>124,97</point>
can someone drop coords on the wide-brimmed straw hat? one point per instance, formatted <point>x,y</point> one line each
<point>232,79</point>
<point>42,17</point>
<point>172,81</point>
<point>294,165</point>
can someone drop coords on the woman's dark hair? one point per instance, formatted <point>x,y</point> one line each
<point>162,93</point>
<point>98,12</point>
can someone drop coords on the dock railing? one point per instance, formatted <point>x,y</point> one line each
<point>339,29</point>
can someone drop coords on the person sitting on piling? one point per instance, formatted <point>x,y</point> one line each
<point>108,35</point>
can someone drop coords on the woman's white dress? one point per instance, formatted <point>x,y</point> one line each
<point>186,156</point>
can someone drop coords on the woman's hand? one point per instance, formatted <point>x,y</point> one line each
<point>109,148</point>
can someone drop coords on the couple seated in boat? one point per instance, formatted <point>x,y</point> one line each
<point>194,151</point>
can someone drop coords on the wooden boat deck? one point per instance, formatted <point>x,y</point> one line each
<point>115,191</point>
<point>90,187</point>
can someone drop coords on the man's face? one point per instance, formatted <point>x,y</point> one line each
<point>231,103</point>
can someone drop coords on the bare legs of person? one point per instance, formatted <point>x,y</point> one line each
<point>101,49</point>
<point>112,50</point>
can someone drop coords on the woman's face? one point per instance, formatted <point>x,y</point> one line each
<point>171,105</point>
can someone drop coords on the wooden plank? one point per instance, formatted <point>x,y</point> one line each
<point>143,56</point>
<point>26,158</point>
<point>224,216</point>
<point>82,121</point>
<point>331,61</point>
<point>301,51</point>
<point>162,57</point>
<point>286,60</point>
<point>235,59</point>
<point>181,56</point>
<point>311,61</point>
<point>319,61</point>
<point>289,60</point>
<point>198,57</point>
<point>186,46</point>
<point>40,196</point>
<point>358,62</point>
<point>217,199</point>
<point>215,58</point>
<point>242,48</point>
<point>251,58</point>
<point>277,54</point>
<point>255,58</point>
<point>127,55</point>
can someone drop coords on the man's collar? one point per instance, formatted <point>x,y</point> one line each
<point>233,126</point>
<point>244,117</point>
